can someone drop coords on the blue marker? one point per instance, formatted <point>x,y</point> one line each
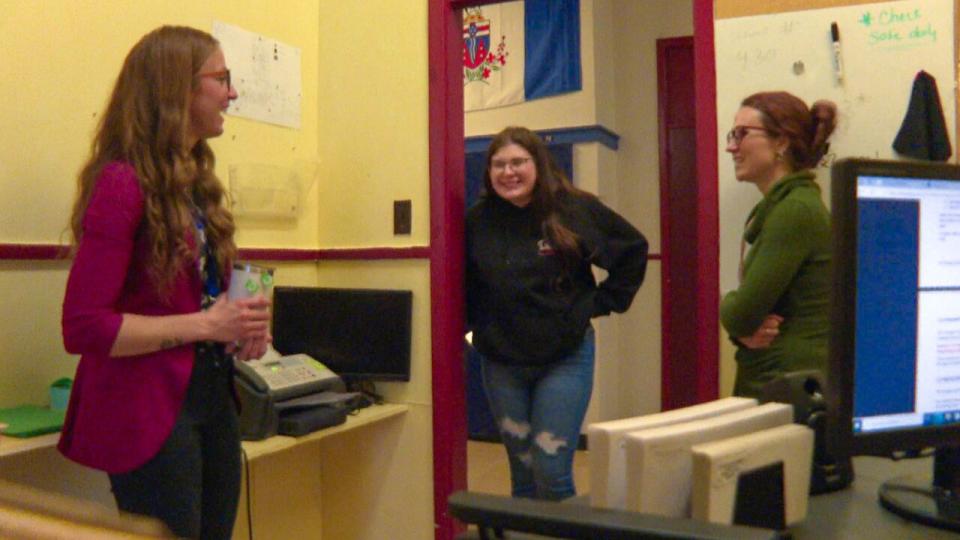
<point>838,63</point>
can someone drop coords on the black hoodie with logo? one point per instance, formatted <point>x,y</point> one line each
<point>523,306</point>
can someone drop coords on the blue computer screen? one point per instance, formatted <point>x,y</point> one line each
<point>907,333</point>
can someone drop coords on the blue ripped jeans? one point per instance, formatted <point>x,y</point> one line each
<point>539,411</point>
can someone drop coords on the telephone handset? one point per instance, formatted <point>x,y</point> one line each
<point>286,376</point>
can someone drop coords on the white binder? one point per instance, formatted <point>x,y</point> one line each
<point>607,455</point>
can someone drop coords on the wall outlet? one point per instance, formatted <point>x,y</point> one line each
<point>401,217</point>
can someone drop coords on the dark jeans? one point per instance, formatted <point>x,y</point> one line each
<point>539,410</point>
<point>193,483</point>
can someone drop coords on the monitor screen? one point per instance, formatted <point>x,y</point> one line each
<point>896,323</point>
<point>893,386</point>
<point>361,334</point>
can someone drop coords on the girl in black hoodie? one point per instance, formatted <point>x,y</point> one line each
<point>531,242</point>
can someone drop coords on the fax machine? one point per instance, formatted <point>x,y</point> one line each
<point>288,395</point>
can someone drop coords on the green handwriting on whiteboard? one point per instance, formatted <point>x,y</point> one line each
<point>890,16</point>
<point>915,34</point>
<point>892,26</point>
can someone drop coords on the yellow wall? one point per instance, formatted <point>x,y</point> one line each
<point>634,33</point>
<point>32,353</point>
<point>373,121</point>
<point>65,56</point>
<point>364,120</point>
<point>373,113</point>
<point>394,499</point>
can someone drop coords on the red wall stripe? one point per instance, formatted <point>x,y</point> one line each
<point>39,252</point>
<point>373,253</point>
<point>33,252</point>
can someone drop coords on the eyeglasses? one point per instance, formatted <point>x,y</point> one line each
<point>223,77</point>
<point>737,134</point>
<point>514,164</point>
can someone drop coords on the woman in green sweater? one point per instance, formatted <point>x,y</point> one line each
<point>778,316</point>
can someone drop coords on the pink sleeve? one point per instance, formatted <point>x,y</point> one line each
<point>91,319</point>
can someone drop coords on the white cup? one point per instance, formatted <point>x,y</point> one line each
<point>248,280</point>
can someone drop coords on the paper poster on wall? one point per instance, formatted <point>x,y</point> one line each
<point>882,47</point>
<point>265,73</point>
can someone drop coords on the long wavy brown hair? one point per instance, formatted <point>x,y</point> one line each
<point>146,125</point>
<point>548,193</point>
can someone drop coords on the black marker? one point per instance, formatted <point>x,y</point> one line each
<point>838,64</point>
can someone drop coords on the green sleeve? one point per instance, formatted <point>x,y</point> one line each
<point>776,257</point>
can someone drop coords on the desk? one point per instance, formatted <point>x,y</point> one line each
<point>855,513</point>
<point>849,514</point>
<point>15,445</point>
<point>283,479</point>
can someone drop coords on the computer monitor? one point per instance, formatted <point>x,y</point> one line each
<point>361,334</point>
<point>894,370</point>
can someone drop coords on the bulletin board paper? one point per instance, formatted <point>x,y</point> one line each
<point>266,74</point>
<point>883,46</point>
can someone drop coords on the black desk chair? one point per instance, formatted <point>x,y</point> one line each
<point>494,514</point>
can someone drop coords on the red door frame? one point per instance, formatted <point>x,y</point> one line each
<point>708,206</point>
<point>445,45</point>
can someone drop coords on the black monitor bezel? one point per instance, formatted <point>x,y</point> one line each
<point>840,380</point>
<point>406,321</point>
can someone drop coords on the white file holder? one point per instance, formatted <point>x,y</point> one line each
<point>660,461</point>
<point>718,465</point>
<point>264,191</point>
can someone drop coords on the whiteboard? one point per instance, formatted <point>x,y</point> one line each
<point>266,74</point>
<point>883,46</point>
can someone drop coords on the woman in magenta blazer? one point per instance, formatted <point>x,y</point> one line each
<point>152,402</point>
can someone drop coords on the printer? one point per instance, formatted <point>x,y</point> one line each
<point>288,395</point>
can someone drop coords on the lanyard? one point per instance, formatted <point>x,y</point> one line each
<point>207,263</point>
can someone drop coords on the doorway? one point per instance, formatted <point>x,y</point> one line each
<point>446,259</point>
